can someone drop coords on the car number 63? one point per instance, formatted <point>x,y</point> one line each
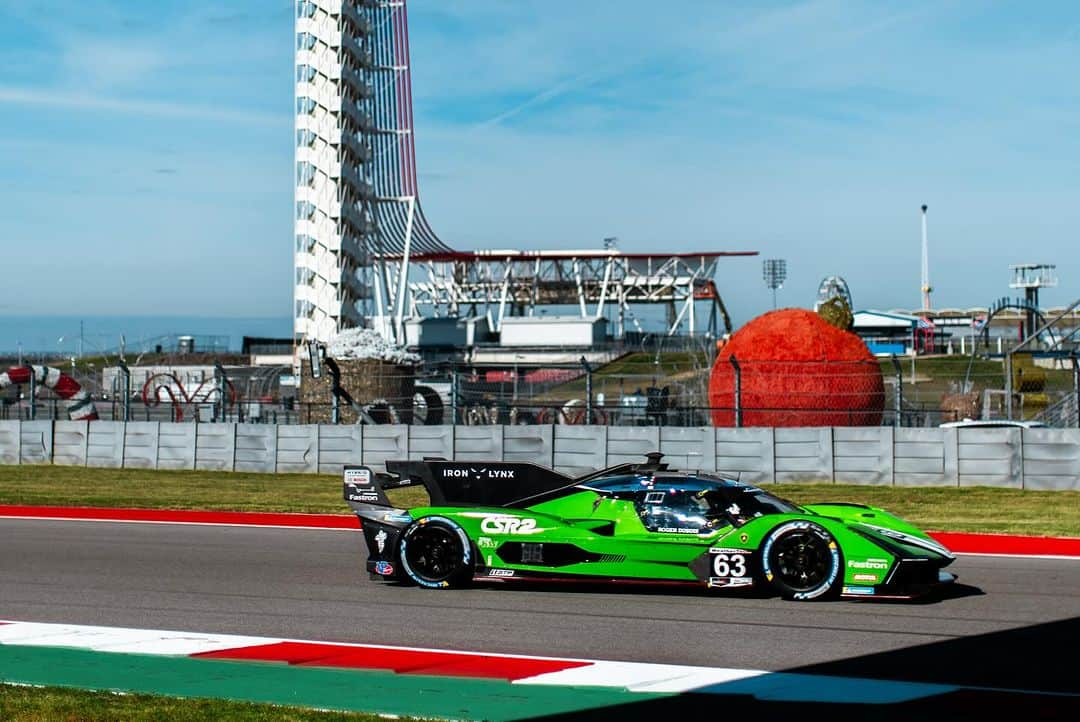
<point>729,565</point>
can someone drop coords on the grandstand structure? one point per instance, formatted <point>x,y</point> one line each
<point>366,254</point>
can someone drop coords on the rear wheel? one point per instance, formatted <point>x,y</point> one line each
<point>802,561</point>
<point>436,553</point>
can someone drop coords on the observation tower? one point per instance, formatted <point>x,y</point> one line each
<point>365,254</point>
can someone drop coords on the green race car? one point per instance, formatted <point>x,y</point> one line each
<point>645,523</point>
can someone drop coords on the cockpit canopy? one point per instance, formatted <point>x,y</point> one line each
<point>686,504</point>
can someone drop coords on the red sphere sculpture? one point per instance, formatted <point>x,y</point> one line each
<point>796,370</point>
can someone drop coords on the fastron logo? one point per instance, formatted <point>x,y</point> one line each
<point>508,525</point>
<point>869,564</point>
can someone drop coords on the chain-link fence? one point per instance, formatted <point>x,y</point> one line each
<point>653,388</point>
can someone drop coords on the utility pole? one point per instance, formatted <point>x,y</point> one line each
<point>925,264</point>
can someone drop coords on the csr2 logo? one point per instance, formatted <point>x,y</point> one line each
<point>507,525</point>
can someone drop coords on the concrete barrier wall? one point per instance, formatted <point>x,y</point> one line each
<point>105,444</point>
<point>70,440</point>
<point>1005,457</point>
<point>141,444</point>
<point>10,442</point>
<point>35,442</point>
<point>176,446</point>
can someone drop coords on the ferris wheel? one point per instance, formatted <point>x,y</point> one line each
<point>833,287</point>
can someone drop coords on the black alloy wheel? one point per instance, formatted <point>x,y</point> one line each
<point>433,555</point>
<point>804,562</point>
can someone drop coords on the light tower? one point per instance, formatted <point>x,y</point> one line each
<point>926,289</point>
<point>774,272</point>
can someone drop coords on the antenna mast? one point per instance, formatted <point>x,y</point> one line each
<point>925,265</point>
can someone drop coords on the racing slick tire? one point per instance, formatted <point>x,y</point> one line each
<point>436,553</point>
<point>802,561</point>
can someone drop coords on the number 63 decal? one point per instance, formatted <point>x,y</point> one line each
<point>729,565</point>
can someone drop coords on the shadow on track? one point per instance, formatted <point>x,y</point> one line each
<point>1010,675</point>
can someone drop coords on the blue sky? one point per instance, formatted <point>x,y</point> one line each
<point>147,147</point>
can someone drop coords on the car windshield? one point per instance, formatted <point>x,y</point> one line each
<point>681,510</point>
<point>756,502</point>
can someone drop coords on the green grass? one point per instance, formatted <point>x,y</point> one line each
<point>972,509</point>
<point>58,704</point>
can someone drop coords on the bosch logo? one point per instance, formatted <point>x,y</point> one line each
<point>507,525</point>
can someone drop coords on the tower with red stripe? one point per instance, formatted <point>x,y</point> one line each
<point>358,220</point>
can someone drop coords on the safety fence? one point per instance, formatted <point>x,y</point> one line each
<point>677,389</point>
<point>1035,458</point>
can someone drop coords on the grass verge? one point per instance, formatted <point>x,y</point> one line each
<point>58,704</point>
<point>968,509</point>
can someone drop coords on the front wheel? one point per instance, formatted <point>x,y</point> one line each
<point>436,553</point>
<point>802,561</point>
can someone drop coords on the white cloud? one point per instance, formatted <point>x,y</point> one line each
<point>86,101</point>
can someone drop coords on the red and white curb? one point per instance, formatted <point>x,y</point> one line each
<point>518,669</point>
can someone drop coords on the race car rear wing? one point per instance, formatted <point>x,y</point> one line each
<point>474,483</point>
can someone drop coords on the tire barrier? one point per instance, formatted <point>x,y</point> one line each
<point>80,407</point>
<point>428,406</point>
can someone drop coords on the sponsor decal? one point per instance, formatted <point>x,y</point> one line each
<point>364,497</point>
<point>865,591</point>
<point>865,577</point>
<point>486,542</point>
<point>380,540</point>
<point>677,530</point>
<point>384,568</point>
<point>359,477</point>
<point>500,572</point>
<point>729,582</point>
<point>881,564</point>
<point>397,517</point>
<point>478,474</point>
<point>499,524</point>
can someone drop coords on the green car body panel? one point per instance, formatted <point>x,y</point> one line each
<point>637,524</point>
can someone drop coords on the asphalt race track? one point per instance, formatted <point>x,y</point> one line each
<point>995,628</point>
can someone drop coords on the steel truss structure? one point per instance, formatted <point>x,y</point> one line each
<point>512,282</point>
<point>366,254</point>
